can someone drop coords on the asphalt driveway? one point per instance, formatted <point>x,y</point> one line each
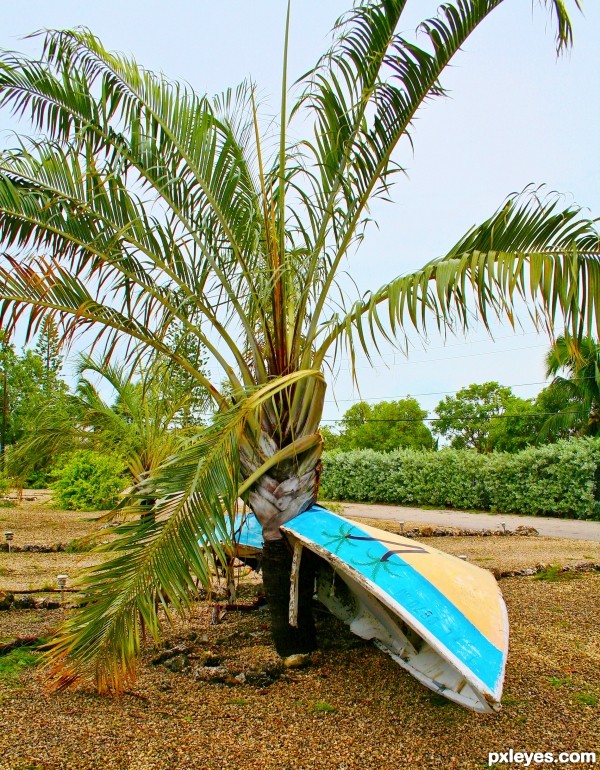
<point>573,529</point>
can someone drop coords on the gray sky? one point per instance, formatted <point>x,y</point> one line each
<point>516,115</point>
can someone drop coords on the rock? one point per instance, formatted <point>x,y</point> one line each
<point>296,661</point>
<point>50,604</point>
<point>526,531</point>
<point>264,677</point>
<point>211,674</point>
<point>6,600</point>
<point>24,603</point>
<point>177,664</point>
<point>207,658</point>
<point>178,649</point>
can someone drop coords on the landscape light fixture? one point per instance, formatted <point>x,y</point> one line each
<point>503,526</point>
<point>9,537</point>
<point>401,526</point>
<point>61,582</point>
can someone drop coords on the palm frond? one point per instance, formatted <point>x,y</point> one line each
<point>158,559</point>
<point>531,249</point>
<point>364,94</point>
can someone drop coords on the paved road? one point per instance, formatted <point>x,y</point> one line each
<point>568,528</point>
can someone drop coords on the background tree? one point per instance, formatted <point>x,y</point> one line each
<point>517,426</point>
<point>48,349</point>
<point>578,394</point>
<point>31,390</point>
<point>331,438</point>
<point>134,188</point>
<point>466,418</point>
<point>385,426</point>
<point>141,427</point>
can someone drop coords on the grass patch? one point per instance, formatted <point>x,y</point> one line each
<point>322,707</point>
<point>553,573</point>
<point>239,701</point>
<point>13,664</point>
<point>557,681</point>
<point>333,506</point>
<point>79,545</point>
<point>586,699</point>
<point>8,504</point>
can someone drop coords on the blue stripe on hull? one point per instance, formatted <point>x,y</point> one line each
<point>407,587</point>
<point>247,531</point>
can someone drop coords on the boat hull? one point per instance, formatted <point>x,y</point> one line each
<point>439,617</point>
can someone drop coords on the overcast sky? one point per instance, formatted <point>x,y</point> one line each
<point>516,116</point>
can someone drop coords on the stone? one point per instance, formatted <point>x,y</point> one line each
<point>177,664</point>
<point>296,661</point>
<point>207,658</point>
<point>24,603</point>
<point>211,674</point>
<point>178,649</point>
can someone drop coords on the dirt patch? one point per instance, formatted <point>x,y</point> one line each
<point>26,571</point>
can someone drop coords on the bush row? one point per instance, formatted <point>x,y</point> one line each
<point>561,479</point>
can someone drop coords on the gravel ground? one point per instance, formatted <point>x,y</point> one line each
<point>35,522</point>
<point>353,708</point>
<point>505,552</point>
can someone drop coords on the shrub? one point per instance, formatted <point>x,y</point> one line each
<point>89,481</point>
<point>561,479</point>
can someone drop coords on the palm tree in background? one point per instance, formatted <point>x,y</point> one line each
<point>579,390</point>
<point>143,425</point>
<point>143,199</point>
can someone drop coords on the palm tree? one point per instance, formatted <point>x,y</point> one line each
<point>141,426</point>
<point>142,192</point>
<point>579,391</point>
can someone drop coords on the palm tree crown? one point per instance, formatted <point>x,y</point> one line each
<point>143,200</point>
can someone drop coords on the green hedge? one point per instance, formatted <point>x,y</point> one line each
<point>561,479</point>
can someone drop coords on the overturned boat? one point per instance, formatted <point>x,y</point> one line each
<point>439,617</point>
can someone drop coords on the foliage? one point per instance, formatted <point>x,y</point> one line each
<point>385,426</point>
<point>466,418</point>
<point>48,350</point>
<point>517,427</point>
<point>138,200</point>
<point>580,390</point>
<point>13,664</point>
<point>142,426</point>
<point>89,481</point>
<point>35,393</point>
<point>331,438</point>
<point>561,479</point>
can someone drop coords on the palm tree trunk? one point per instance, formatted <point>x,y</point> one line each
<point>279,496</point>
<point>276,568</point>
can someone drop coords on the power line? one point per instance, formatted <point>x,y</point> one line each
<point>447,358</point>
<point>445,392</point>
<point>463,419</point>
<point>455,344</point>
